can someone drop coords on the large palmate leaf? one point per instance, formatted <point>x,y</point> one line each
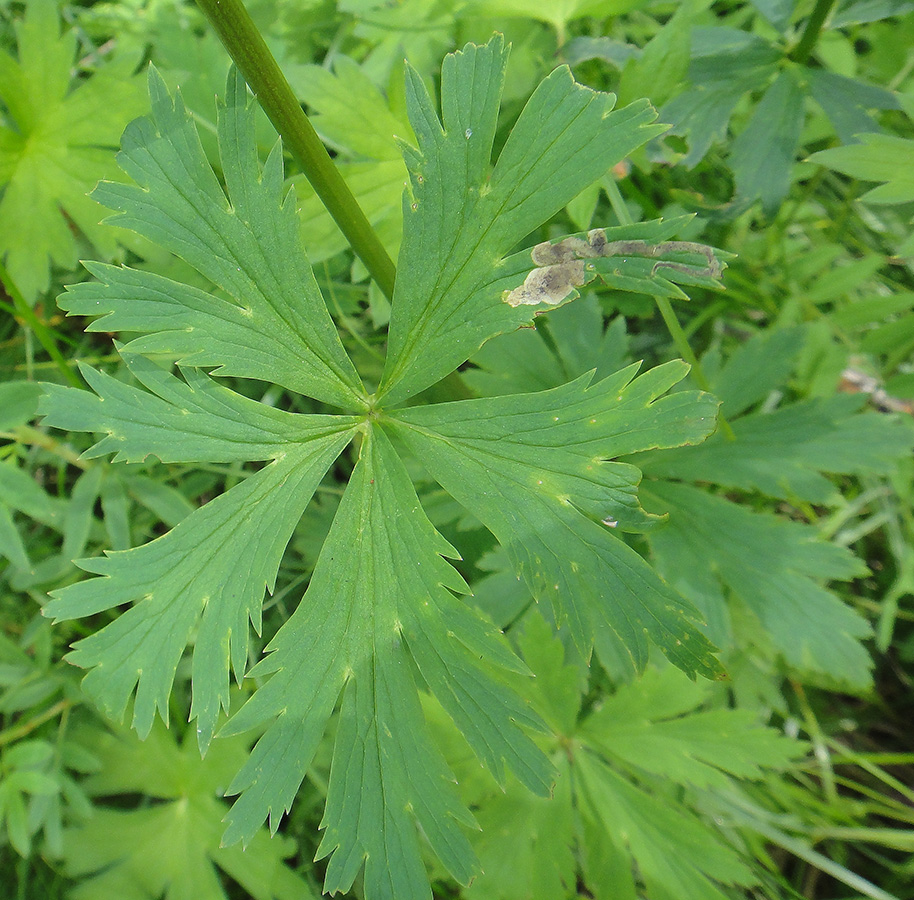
<point>169,848</point>
<point>382,621</point>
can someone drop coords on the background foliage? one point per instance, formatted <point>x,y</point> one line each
<point>791,145</point>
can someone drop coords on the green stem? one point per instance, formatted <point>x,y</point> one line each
<point>249,51</point>
<point>868,762</point>
<point>39,329</point>
<point>33,437</point>
<point>800,54</point>
<point>741,813</point>
<point>666,309</point>
<point>22,729</point>
<point>840,873</point>
<point>682,342</point>
<point>822,756</point>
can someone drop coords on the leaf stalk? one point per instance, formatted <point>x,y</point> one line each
<point>666,310</point>
<point>44,334</point>
<point>247,48</point>
<point>801,53</point>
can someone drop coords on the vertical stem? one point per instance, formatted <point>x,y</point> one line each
<point>21,729</point>
<point>666,309</point>
<point>40,330</point>
<point>248,50</point>
<point>800,53</point>
<point>819,742</point>
<point>682,342</point>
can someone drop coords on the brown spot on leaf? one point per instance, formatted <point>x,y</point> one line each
<point>561,269</point>
<point>549,285</point>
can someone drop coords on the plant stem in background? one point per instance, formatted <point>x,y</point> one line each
<point>247,48</point>
<point>666,309</point>
<point>21,729</point>
<point>800,53</point>
<point>40,330</point>
<point>747,816</point>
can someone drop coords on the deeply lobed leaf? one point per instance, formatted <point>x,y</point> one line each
<point>57,134</point>
<point>611,827</point>
<point>772,565</point>
<point>382,620</point>
<point>169,847</point>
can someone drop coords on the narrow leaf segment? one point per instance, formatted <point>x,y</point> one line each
<point>245,240</point>
<point>370,613</point>
<point>536,469</point>
<point>462,218</point>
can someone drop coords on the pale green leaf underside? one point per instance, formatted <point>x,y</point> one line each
<point>462,220</point>
<point>536,469</point>
<point>378,604</point>
<point>274,324</point>
<point>56,148</point>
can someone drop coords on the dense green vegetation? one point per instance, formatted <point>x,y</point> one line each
<point>461,581</point>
